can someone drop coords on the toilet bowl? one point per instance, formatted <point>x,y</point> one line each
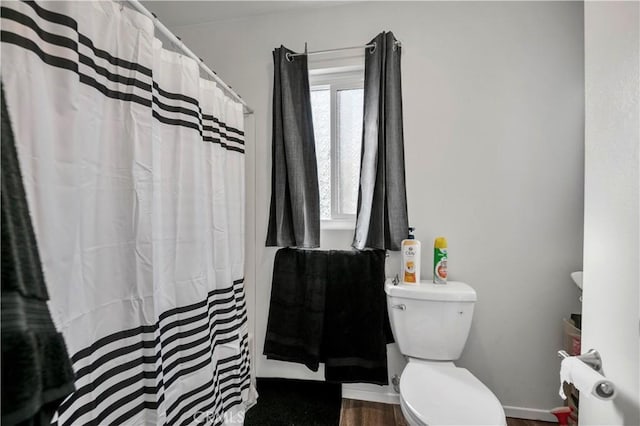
<point>443,394</point>
<point>430,323</point>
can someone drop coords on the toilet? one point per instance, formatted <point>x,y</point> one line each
<point>430,323</point>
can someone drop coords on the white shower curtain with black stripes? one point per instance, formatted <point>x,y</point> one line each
<point>134,171</point>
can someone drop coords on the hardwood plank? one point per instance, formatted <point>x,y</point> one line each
<point>359,413</point>
<point>365,413</point>
<point>511,421</point>
<point>399,417</point>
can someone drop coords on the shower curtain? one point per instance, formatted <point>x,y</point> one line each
<point>134,172</point>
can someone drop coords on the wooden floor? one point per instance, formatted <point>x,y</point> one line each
<point>524,422</point>
<point>365,413</point>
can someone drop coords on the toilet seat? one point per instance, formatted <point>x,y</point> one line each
<point>443,394</point>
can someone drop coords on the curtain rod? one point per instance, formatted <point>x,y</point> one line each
<point>176,41</point>
<point>339,49</point>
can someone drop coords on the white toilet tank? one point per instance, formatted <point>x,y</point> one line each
<point>431,321</point>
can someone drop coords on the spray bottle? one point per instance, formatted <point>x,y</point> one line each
<point>440,261</point>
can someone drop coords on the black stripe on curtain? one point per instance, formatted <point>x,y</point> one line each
<point>221,307</point>
<point>382,221</point>
<point>294,217</point>
<point>146,88</point>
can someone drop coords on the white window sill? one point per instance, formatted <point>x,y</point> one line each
<point>337,225</point>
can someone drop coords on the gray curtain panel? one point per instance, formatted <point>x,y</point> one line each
<point>294,218</point>
<point>382,200</point>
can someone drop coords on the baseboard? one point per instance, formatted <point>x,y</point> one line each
<point>529,413</point>
<point>367,395</point>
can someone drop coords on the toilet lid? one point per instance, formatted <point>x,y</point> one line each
<point>447,395</point>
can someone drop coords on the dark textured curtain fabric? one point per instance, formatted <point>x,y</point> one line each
<point>382,200</point>
<point>294,218</point>
<point>36,370</point>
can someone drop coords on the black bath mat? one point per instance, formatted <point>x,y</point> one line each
<point>287,402</point>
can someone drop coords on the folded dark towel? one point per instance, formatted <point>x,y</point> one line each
<point>296,311</point>
<point>356,321</point>
<point>330,306</point>
<point>36,370</point>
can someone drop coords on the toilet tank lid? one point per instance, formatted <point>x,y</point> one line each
<point>453,291</point>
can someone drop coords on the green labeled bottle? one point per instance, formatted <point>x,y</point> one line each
<point>440,261</point>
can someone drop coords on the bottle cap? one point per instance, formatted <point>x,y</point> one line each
<point>411,236</point>
<point>440,243</point>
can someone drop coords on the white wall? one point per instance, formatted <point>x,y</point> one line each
<point>493,119</point>
<point>612,211</point>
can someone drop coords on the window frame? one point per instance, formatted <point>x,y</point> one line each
<point>335,80</point>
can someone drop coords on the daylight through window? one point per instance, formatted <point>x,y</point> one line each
<point>337,105</point>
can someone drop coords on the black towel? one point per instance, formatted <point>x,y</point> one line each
<point>330,306</point>
<point>356,328</point>
<point>36,370</point>
<point>296,311</point>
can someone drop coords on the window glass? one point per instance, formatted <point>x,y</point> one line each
<point>349,130</point>
<point>337,106</point>
<point>321,110</point>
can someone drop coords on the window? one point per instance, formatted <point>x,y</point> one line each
<point>337,105</point>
